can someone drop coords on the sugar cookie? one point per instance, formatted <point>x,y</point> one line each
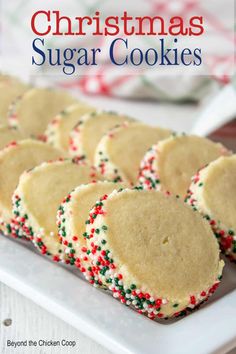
<point>213,194</point>
<point>153,252</point>
<point>33,111</point>
<point>119,153</point>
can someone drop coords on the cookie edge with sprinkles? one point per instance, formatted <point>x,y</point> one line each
<point>225,236</point>
<point>149,176</point>
<point>22,216</point>
<point>104,266</point>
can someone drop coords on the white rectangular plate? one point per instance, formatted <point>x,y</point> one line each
<point>64,293</point>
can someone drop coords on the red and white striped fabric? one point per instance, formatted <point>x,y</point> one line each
<point>17,37</point>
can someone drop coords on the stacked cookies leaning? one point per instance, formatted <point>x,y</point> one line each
<point>141,211</point>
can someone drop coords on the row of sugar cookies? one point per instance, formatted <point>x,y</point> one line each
<point>62,175</point>
<point>181,156</point>
<point>117,154</point>
<point>32,103</point>
<point>30,201</point>
<point>90,139</point>
<point>51,115</point>
<point>129,245</point>
<point>186,144</point>
<point>88,131</point>
<point>102,267</point>
<point>100,263</point>
<point>195,152</point>
<point>36,95</point>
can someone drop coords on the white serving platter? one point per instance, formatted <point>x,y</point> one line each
<point>62,291</point>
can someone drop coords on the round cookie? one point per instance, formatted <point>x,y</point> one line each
<point>38,196</point>
<point>153,252</point>
<point>169,165</point>
<point>10,89</point>
<point>73,213</point>
<point>213,194</point>
<point>89,131</point>
<point>58,130</point>
<point>119,153</point>
<point>8,135</point>
<point>15,159</point>
<point>33,111</point>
